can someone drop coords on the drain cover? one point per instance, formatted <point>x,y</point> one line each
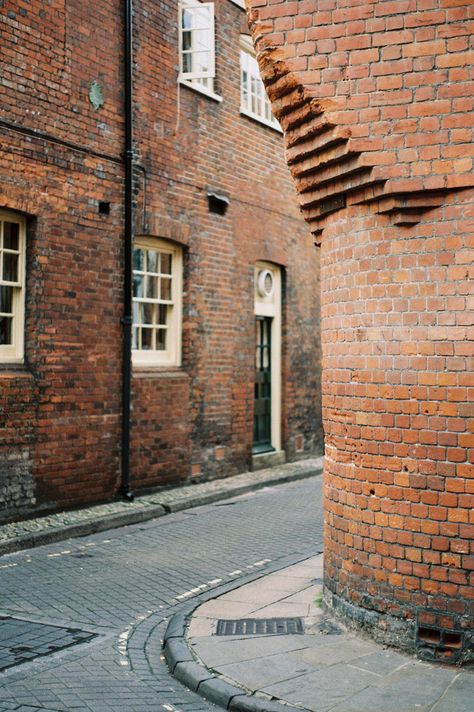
<point>260,626</point>
<point>22,640</point>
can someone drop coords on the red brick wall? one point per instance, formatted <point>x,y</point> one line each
<point>376,100</point>
<point>235,156</point>
<point>60,427</point>
<point>62,406</point>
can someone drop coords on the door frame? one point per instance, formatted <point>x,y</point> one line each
<point>270,305</point>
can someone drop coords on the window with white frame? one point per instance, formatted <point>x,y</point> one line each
<point>157,287</point>
<point>12,287</point>
<point>253,98</point>
<point>197,44</point>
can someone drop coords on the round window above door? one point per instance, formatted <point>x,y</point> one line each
<point>265,283</point>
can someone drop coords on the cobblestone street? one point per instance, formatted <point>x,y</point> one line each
<point>122,586</point>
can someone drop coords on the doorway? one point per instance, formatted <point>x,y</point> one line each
<point>262,418</point>
<point>267,398</point>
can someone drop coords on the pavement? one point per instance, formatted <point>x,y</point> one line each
<point>322,668</point>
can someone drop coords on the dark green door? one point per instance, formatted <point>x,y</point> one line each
<point>262,421</point>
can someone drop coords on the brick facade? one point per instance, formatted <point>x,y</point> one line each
<point>376,102</point>
<point>61,409</point>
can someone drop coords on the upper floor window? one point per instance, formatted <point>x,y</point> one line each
<point>253,98</point>
<point>197,45</point>
<point>12,287</point>
<point>157,287</point>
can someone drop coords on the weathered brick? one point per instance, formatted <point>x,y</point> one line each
<point>60,429</point>
<point>394,280</point>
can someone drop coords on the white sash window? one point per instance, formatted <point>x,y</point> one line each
<point>12,287</point>
<point>196,43</point>
<point>253,98</point>
<point>157,296</point>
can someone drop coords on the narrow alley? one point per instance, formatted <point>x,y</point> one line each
<point>121,587</point>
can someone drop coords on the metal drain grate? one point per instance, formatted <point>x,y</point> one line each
<point>260,626</point>
<point>21,640</point>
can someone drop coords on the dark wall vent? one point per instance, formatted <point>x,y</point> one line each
<point>218,204</point>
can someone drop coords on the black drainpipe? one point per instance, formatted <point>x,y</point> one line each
<point>126,490</point>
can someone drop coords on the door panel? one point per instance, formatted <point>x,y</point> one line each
<point>262,430</point>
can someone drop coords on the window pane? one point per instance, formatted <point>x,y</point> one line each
<point>5,330</point>
<point>11,236</point>
<point>165,263</point>
<point>136,313</point>
<point>202,18</point>
<point>138,259</point>
<point>152,287</point>
<point>187,63</point>
<point>162,314</point>
<point>147,339</point>
<point>161,340</point>
<point>147,313</point>
<point>186,41</point>
<point>6,295</point>
<point>205,82</point>
<point>165,288</point>
<point>138,285</point>
<point>152,261</point>
<point>244,81</point>
<point>197,61</point>
<point>10,267</point>
<point>202,40</point>
<point>135,338</point>
<point>187,19</point>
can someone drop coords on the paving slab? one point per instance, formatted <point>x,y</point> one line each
<point>215,652</point>
<point>219,608</point>
<point>429,680</point>
<point>282,609</point>
<point>329,650</point>
<point>374,699</point>
<point>306,595</point>
<point>321,690</point>
<point>305,570</point>
<point>257,674</point>
<point>201,627</point>
<point>254,596</point>
<point>279,582</point>
<point>459,696</point>
<point>380,662</point>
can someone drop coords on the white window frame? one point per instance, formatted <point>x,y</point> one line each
<point>171,356</point>
<point>239,3</point>
<point>14,352</point>
<point>201,79</point>
<point>250,78</point>
<point>270,306</point>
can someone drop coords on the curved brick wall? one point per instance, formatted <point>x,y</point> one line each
<point>376,102</point>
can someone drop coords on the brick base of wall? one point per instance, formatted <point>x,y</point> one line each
<point>434,642</point>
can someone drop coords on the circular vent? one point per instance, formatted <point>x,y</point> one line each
<point>265,283</point>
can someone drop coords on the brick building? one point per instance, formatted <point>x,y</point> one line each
<point>221,257</point>
<point>376,100</point>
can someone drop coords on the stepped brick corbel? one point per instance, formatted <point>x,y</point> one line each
<point>376,101</point>
<point>334,159</point>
